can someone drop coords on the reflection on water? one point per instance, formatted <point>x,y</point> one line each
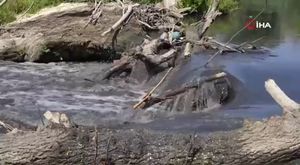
<point>250,70</point>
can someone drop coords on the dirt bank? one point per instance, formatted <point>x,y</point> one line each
<point>61,34</point>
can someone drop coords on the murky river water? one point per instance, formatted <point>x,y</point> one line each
<point>28,88</point>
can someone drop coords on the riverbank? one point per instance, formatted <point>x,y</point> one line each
<point>158,77</point>
<point>12,10</point>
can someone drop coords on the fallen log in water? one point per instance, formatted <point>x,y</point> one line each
<point>262,142</point>
<point>184,90</point>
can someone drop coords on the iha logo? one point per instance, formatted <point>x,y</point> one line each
<point>252,24</point>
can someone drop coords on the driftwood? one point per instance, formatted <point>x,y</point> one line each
<point>272,141</point>
<point>209,18</point>
<point>121,20</point>
<point>149,53</point>
<point>287,104</point>
<point>172,93</point>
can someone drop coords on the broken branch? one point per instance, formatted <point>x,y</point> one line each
<point>152,91</point>
<point>280,97</point>
<point>2,2</point>
<point>6,126</point>
<point>121,20</point>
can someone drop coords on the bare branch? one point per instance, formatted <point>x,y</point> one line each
<point>121,20</point>
<point>287,104</point>
<point>6,126</point>
<point>2,2</point>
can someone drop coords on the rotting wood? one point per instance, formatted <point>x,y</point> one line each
<point>171,93</point>
<point>146,97</point>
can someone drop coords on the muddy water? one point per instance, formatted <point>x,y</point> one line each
<point>29,89</point>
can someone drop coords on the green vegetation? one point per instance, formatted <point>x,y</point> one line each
<point>12,8</point>
<point>201,5</point>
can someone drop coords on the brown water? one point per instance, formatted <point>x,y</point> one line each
<point>27,88</point>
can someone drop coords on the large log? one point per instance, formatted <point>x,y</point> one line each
<point>264,142</point>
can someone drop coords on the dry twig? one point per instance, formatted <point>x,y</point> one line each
<point>152,91</point>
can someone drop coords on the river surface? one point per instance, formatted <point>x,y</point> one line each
<point>28,89</point>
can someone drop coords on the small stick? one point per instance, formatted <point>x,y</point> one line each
<point>147,25</point>
<point>26,10</point>
<point>2,2</point>
<point>153,89</point>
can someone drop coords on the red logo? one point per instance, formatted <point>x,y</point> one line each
<point>250,24</point>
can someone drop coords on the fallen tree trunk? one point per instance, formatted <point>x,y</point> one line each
<point>265,142</point>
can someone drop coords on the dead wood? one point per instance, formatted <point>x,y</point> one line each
<point>2,2</point>
<point>6,126</point>
<point>96,14</point>
<point>187,50</point>
<point>121,20</point>
<point>209,18</point>
<point>287,104</point>
<point>172,93</point>
<point>146,97</point>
